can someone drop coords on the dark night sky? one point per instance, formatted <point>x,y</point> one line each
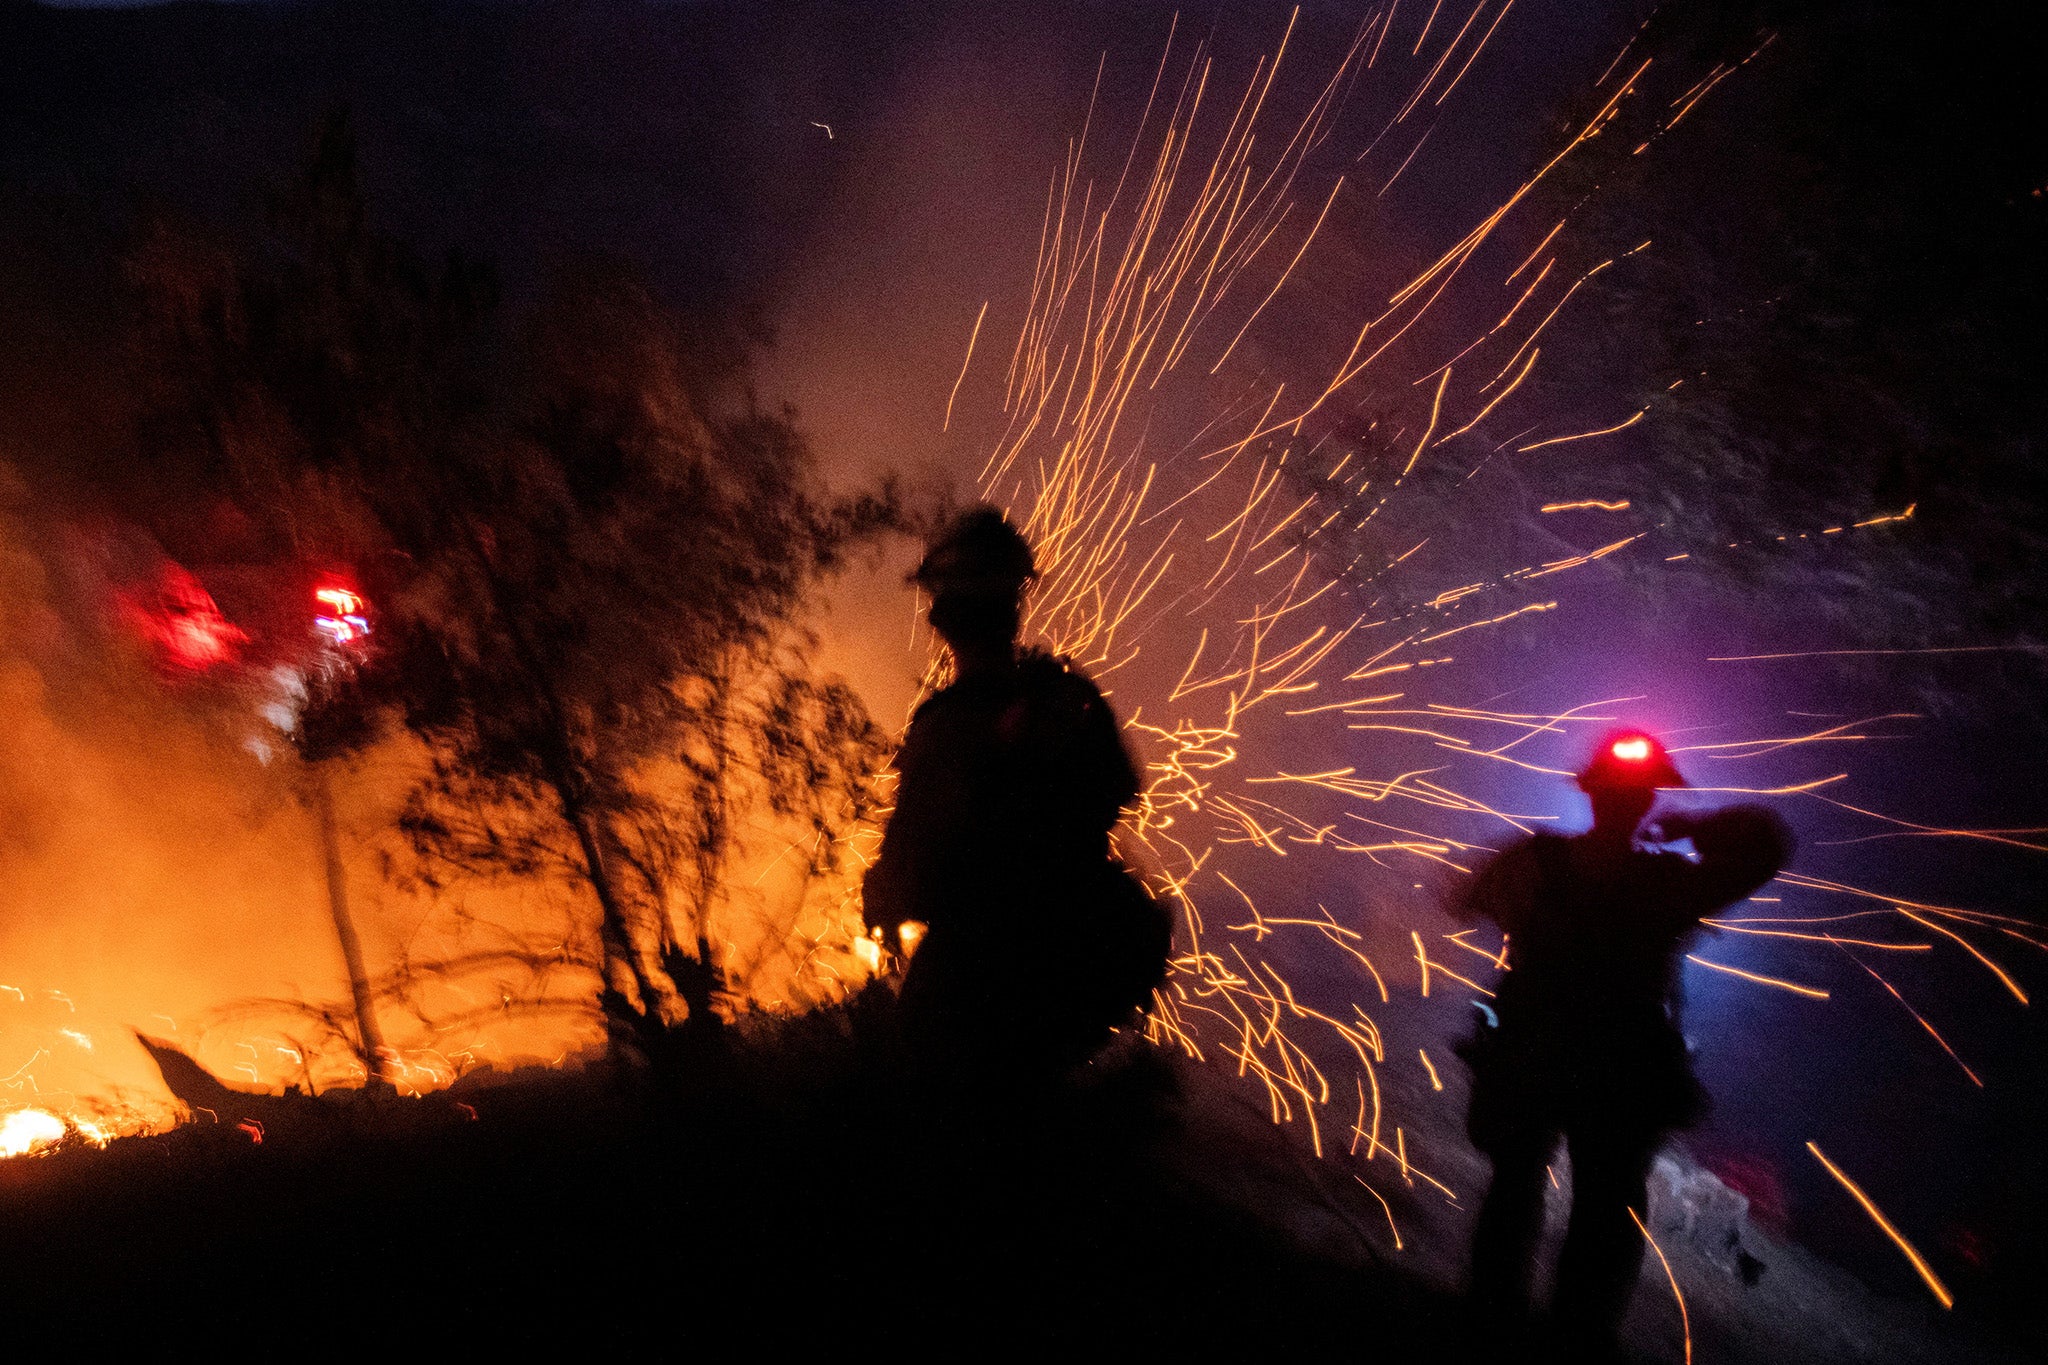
<point>1852,217</point>
<point>1860,211</point>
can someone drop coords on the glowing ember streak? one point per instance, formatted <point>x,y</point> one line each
<point>1584,435</point>
<point>1918,1018</point>
<point>24,1130</point>
<point>1906,515</point>
<point>1847,732</point>
<point>1808,991</point>
<point>1838,653</point>
<point>965,361</point>
<point>1910,829</point>
<point>1586,505</point>
<point>1385,1207</point>
<point>1934,1283</point>
<point>1684,1318</point>
<point>1971,949</point>
<point>1735,927</point>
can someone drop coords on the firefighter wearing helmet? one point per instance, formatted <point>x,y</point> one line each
<point>1586,1044</point>
<point>1036,942</point>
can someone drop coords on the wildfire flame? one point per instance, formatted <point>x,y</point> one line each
<point>33,1130</point>
<point>25,1130</point>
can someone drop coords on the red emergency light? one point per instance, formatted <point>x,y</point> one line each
<point>1630,758</point>
<point>177,616</point>
<point>343,619</point>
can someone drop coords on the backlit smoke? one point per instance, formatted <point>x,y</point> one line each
<point>163,869</point>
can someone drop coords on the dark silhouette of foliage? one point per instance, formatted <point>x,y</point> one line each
<point>1835,324</point>
<point>589,549</point>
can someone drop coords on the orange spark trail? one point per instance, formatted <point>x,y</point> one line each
<point>1684,1318</point>
<point>1735,927</point>
<point>1385,1206</point>
<point>1586,504</point>
<point>1808,991</point>
<point>1837,653</point>
<point>1940,1290</point>
<point>965,361</point>
<point>1584,435</point>
<point>1971,949</point>
<point>1918,1018</point>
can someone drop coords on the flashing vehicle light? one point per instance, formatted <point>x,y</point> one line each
<point>342,621</point>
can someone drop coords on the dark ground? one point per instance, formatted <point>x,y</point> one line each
<point>783,1188</point>
<point>782,1192</point>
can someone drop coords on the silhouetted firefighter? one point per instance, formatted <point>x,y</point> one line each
<point>1037,942</point>
<point>1587,1044</point>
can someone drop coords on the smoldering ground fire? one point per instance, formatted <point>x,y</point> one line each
<point>1272,559</point>
<point>507,974</point>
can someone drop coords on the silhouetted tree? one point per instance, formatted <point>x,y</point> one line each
<point>1833,322</point>
<point>604,642</point>
<point>589,548</point>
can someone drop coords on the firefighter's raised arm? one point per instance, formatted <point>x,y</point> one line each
<point>1740,847</point>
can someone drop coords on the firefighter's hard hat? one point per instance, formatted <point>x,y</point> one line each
<point>980,553</point>
<point>1629,758</point>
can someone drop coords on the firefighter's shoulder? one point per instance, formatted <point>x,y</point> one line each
<point>1506,883</point>
<point>937,725</point>
<point>1056,681</point>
